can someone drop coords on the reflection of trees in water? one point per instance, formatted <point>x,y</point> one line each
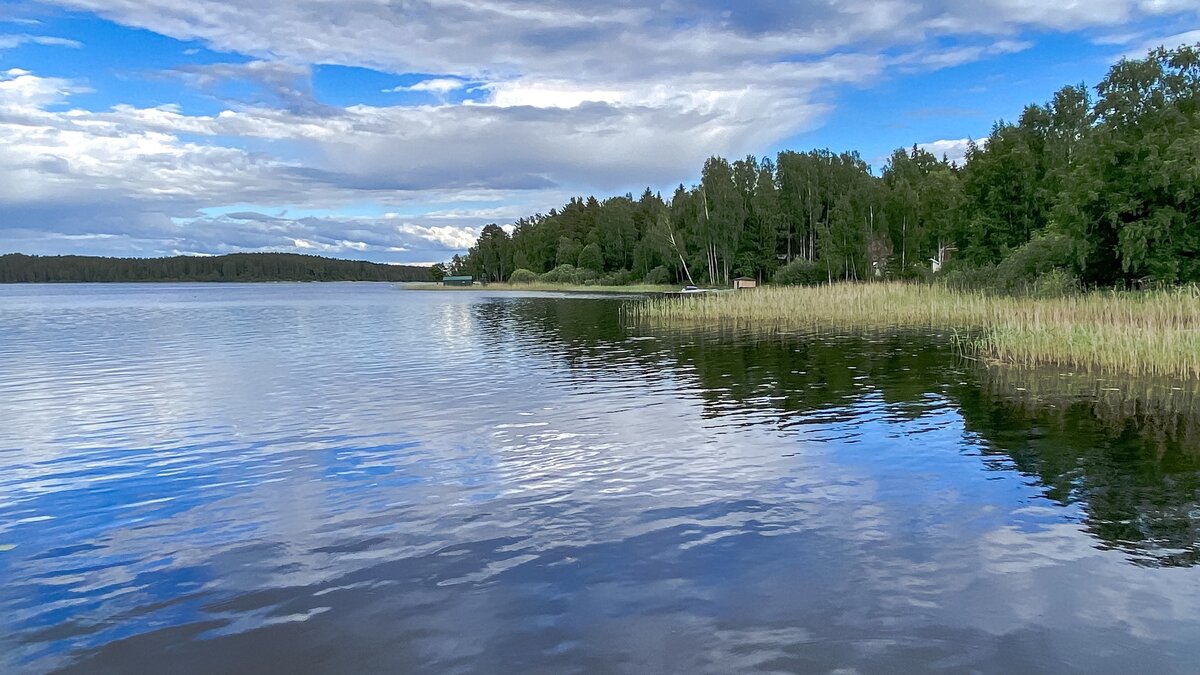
<point>1127,451</point>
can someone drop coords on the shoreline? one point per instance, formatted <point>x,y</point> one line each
<point>638,289</point>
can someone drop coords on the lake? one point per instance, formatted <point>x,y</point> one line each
<point>359,478</point>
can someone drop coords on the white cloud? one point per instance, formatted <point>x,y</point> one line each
<point>449,237</point>
<point>10,41</point>
<point>493,214</point>
<point>1136,44</point>
<point>551,94</point>
<point>947,58</point>
<point>495,39</point>
<point>22,92</point>
<point>437,85</point>
<point>657,137</point>
<point>123,182</point>
<point>1190,37</point>
<point>954,150</point>
<point>1167,6</point>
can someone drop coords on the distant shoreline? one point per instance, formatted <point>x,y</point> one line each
<point>640,289</point>
<point>232,267</point>
<point>126,282</point>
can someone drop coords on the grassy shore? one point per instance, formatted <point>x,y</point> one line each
<point>555,288</point>
<point>1144,333</point>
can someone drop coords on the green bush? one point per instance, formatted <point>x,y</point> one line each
<point>522,276</point>
<point>915,270</point>
<point>1055,283</point>
<point>1041,267</point>
<point>618,278</point>
<point>563,274</point>
<point>659,276</point>
<point>591,258</point>
<point>568,274</point>
<point>1043,254</point>
<point>800,273</point>
<point>584,275</point>
<point>963,276</point>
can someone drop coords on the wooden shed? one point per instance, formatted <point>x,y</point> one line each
<point>744,282</point>
<point>458,281</point>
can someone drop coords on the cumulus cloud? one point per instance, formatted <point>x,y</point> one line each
<point>50,156</point>
<point>395,153</point>
<point>23,93</point>
<point>449,238</point>
<point>954,150</point>
<point>123,182</point>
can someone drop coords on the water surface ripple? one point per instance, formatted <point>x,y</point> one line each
<point>355,478</point>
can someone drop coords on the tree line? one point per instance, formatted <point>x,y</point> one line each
<point>16,268</point>
<point>1099,186</point>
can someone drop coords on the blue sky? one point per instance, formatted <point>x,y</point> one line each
<point>393,132</point>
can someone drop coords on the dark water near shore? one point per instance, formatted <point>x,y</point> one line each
<point>352,478</point>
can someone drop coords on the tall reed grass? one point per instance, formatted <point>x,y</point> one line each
<point>1139,333</point>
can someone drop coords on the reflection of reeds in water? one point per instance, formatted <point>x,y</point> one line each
<point>1139,477</point>
<point>1146,333</point>
<point>1166,410</point>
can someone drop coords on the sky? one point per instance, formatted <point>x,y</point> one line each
<point>394,130</point>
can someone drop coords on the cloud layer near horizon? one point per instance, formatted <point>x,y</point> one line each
<point>511,108</point>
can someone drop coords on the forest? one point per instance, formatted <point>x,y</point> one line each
<point>16,268</point>
<point>1096,187</point>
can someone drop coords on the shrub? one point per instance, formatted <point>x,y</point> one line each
<point>618,278</point>
<point>967,277</point>
<point>522,276</point>
<point>800,273</point>
<point>918,270</point>
<point>568,274</point>
<point>659,276</point>
<point>1055,283</point>
<point>1039,256</point>
<point>590,257</point>
<point>559,275</point>
<point>1041,267</point>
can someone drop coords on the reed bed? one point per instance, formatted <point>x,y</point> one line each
<point>1138,333</point>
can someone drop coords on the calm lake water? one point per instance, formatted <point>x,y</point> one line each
<point>354,478</point>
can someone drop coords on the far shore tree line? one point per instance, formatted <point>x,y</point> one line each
<point>1093,187</point>
<point>20,268</point>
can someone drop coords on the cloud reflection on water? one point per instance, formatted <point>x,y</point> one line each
<point>349,477</point>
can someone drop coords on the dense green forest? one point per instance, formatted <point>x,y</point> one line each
<point>1096,187</point>
<point>16,267</point>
